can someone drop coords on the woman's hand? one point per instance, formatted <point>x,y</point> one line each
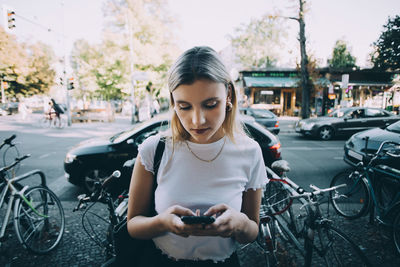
<point>171,219</point>
<point>228,222</point>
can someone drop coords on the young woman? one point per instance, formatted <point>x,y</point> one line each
<point>209,167</point>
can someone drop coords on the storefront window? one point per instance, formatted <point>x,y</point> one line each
<point>267,96</point>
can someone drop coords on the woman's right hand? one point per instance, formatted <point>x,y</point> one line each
<point>171,219</point>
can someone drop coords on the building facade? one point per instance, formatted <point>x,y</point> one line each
<point>279,90</point>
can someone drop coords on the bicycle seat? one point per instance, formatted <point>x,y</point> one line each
<point>280,166</point>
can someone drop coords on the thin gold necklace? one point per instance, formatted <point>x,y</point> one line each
<point>207,160</point>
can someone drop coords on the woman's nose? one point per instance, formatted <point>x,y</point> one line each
<point>198,117</point>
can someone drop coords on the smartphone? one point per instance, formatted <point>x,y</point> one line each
<point>198,219</point>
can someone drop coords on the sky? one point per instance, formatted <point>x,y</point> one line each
<point>209,22</point>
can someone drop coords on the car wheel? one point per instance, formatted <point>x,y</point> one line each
<point>326,133</point>
<point>91,176</point>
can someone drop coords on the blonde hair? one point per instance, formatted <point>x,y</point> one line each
<point>202,63</point>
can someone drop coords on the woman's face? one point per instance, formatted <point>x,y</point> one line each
<point>201,108</point>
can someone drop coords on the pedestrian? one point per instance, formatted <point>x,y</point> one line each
<point>209,167</point>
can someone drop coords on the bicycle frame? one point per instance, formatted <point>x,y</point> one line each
<point>371,174</point>
<point>313,221</point>
<point>19,193</point>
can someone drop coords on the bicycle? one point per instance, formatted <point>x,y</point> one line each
<point>286,227</point>
<point>51,119</point>
<point>99,229</point>
<point>38,219</point>
<point>373,189</point>
<point>11,152</point>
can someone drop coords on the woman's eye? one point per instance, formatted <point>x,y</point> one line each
<point>184,107</point>
<point>211,104</point>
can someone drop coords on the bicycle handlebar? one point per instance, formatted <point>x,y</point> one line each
<point>317,191</point>
<point>17,160</point>
<point>96,195</point>
<point>8,140</point>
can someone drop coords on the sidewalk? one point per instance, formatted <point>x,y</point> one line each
<point>76,249</point>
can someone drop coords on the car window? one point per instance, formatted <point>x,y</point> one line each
<point>261,113</point>
<point>338,113</point>
<point>154,129</point>
<point>372,113</point>
<point>395,127</point>
<point>357,114</point>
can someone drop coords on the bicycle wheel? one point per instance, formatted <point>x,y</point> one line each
<point>387,189</point>
<point>266,240</point>
<point>39,223</point>
<point>396,232</point>
<point>352,200</point>
<point>337,249</point>
<point>45,122</point>
<point>9,156</point>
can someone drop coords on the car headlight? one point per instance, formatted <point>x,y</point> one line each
<point>69,158</point>
<point>307,126</point>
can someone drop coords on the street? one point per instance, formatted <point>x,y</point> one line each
<point>311,161</point>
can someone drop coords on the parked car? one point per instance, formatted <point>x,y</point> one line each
<point>96,158</point>
<point>345,121</point>
<point>354,148</point>
<point>263,117</point>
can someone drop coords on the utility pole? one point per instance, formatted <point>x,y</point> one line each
<point>66,80</point>
<point>132,66</point>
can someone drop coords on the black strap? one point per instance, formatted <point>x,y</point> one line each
<point>157,159</point>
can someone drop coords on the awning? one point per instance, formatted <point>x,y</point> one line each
<point>284,82</point>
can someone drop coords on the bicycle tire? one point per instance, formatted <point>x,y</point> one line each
<point>58,123</point>
<point>40,231</point>
<point>45,122</point>
<point>337,249</point>
<point>387,189</point>
<point>396,232</point>
<point>351,201</point>
<point>267,241</point>
<point>9,156</point>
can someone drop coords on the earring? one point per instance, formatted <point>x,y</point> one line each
<point>229,106</point>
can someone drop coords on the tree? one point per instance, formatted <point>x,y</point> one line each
<point>26,68</point>
<point>387,48</point>
<point>341,56</point>
<point>153,49</point>
<point>258,43</point>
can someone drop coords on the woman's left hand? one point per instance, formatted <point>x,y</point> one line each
<point>228,222</point>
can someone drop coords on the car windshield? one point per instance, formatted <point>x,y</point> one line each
<point>125,134</point>
<point>338,113</point>
<point>395,127</point>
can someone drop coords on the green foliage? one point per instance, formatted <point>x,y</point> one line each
<point>104,70</point>
<point>257,44</point>
<point>341,56</point>
<point>26,68</point>
<point>387,48</point>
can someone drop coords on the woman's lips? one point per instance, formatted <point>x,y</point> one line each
<point>200,131</point>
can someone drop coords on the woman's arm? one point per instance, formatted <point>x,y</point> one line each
<point>140,197</point>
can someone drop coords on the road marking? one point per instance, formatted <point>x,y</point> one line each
<point>46,155</point>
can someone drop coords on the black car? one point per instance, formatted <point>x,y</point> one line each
<point>96,158</point>
<point>263,117</point>
<point>345,121</point>
<point>354,148</point>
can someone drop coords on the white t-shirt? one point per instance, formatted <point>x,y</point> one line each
<point>187,181</point>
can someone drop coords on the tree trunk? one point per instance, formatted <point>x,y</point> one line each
<point>305,77</point>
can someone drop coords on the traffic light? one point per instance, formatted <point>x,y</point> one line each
<point>11,19</point>
<point>71,83</point>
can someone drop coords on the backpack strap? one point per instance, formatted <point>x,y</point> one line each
<point>157,159</point>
